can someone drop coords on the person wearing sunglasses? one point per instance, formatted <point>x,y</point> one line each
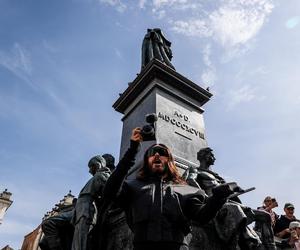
<point>268,205</point>
<point>158,203</point>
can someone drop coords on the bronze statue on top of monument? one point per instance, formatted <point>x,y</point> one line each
<point>155,45</point>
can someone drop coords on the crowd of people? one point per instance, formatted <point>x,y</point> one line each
<point>286,227</point>
<point>160,206</point>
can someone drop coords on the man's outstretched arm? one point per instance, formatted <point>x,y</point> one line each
<point>202,209</point>
<point>116,179</point>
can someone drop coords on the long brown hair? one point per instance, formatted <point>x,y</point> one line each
<point>172,172</point>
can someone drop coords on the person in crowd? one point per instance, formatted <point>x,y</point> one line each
<point>158,203</point>
<point>294,240</point>
<point>83,219</point>
<point>268,205</point>
<point>281,228</point>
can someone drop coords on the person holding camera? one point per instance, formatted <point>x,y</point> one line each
<point>268,205</point>
<point>294,240</point>
<point>281,228</point>
<point>158,203</point>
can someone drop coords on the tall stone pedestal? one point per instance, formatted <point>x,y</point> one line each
<point>177,102</point>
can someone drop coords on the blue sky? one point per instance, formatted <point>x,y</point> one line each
<point>63,64</point>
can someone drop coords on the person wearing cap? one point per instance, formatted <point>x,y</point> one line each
<point>281,228</point>
<point>268,205</point>
<point>158,203</point>
<point>294,240</point>
<point>85,206</point>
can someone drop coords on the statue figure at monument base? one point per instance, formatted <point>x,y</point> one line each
<point>58,230</point>
<point>231,223</point>
<point>85,209</point>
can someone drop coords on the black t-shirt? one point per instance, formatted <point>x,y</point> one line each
<point>282,223</point>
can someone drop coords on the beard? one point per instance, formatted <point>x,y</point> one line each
<point>158,168</point>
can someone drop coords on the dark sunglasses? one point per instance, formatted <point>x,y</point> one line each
<point>157,149</point>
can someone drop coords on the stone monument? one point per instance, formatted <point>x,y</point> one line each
<point>177,102</point>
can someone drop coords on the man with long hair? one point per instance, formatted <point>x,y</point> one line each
<point>159,205</point>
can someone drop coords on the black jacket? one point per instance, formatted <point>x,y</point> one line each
<point>159,211</point>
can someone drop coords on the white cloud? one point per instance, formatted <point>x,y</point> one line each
<point>242,95</point>
<point>160,3</point>
<point>159,14</point>
<point>235,52</point>
<point>233,23</point>
<point>260,70</point>
<point>292,22</point>
<point>229,22</point>
<point>155,5</point>
<point>208,76</point>
<point>192,28</point>
<point>234,26</point>
<point>142,3</point>
<point>118,4</point>
<point>18,62</point>
<point>49,47</point>
<point>206,55</point>
<point>176,4</point>
<point>118,53</point>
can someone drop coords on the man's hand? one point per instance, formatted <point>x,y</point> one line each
<point>283,233</point>
<point>136,135</point>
